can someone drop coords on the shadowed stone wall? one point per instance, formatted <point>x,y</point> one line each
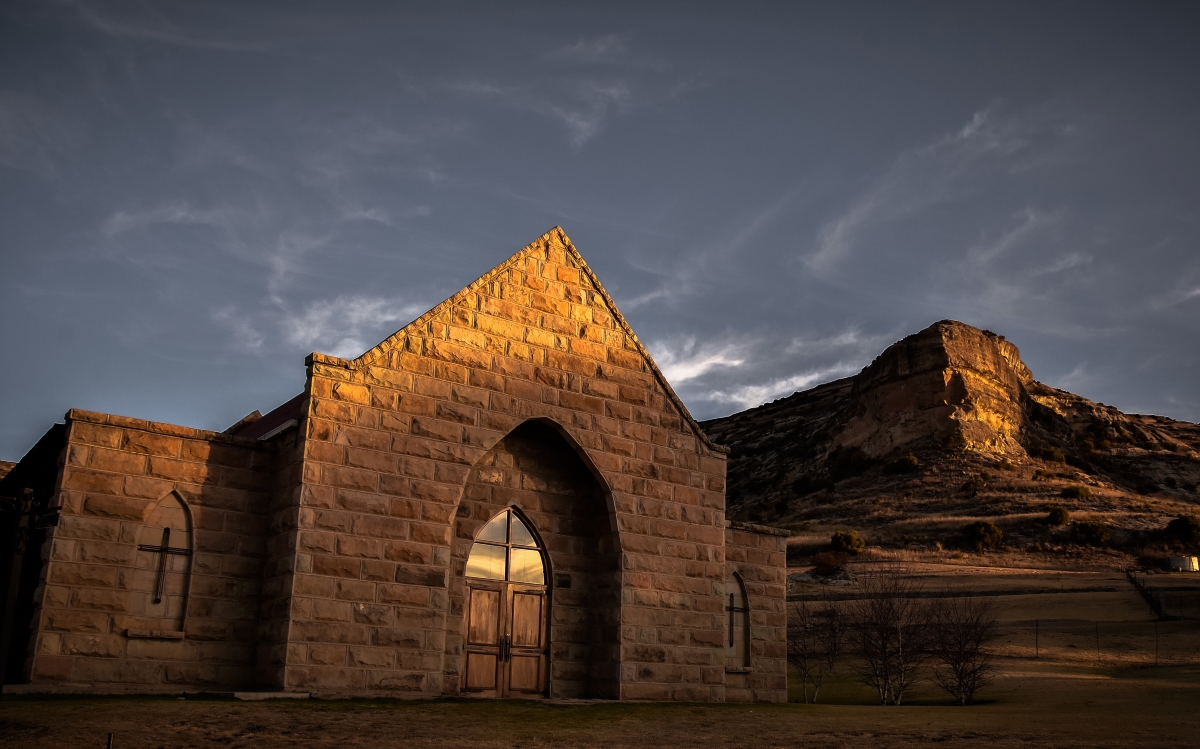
<point>97,625</point>
<point>759,555</point>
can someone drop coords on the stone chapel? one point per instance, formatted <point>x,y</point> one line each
<point>505,498</point>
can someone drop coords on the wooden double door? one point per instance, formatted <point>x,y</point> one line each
<point>506,649</point>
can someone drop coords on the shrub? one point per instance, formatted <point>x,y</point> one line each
<point>908,464</point>
<point>845,463</point>
<point>1090,533</point>
<point>829,562</point>
<point>1048,454</point>
<point>974,486</point>
<point>1075,492</point>
<point>1058,516</point>
<point>1185,530</point>
<point>847,542</point>
<point>982,535</point>
<point>807,484</point>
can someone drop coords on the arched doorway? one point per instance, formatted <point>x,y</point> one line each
<point>505,648</point>
<point>537,475</point>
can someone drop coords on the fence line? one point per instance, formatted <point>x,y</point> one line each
<point>1166,606</point>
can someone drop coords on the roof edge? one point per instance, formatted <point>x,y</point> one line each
<point>157,427</point>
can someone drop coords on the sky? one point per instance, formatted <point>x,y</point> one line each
<point>194,195</point>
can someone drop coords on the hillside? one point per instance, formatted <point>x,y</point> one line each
<point>946,426</point>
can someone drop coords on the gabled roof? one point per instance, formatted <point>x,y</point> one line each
<point>416,327</point>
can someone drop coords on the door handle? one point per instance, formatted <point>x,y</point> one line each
<point>504,648</point>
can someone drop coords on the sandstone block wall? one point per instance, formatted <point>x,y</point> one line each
<point>759,555</point>
<point>392,437</point>
<point>115,470</point>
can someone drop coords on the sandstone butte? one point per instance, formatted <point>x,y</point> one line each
<point>985,438</point>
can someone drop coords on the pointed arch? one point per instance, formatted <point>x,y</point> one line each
<point>538,473</point>
<point>737,625</point>
<point>163,567</point>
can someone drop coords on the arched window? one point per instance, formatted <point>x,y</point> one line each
<point>506,550</point>
<point>164,565</point>
<point>737,608</point>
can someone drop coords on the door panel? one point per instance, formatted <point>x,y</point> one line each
<point>527,620</point>
<point>483,640</point>
<point>483,627</point>
<point>481,671</point>
<point>525,672</point>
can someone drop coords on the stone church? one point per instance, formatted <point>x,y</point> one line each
<point>503,499</point>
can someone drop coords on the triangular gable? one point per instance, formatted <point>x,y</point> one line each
<point>558,237</point>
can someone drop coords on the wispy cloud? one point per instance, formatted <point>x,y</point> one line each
<point>1027,222</point>
<point>245,336</point>
<point>748,396</point>
<point>603,48</point>
<point>143,22</point>
<point>348,325</point>
<point>681,361</point>
<point>702,266</point>
<point>918,179</point>
<point>581,105</point>
<point>123,221</point>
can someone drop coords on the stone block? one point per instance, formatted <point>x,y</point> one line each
<point>369,657</point>
<point>49,668</point>
<point>399,682</point>
<point>87,480</point>
<point>99,599</point>
<point>100,646</point>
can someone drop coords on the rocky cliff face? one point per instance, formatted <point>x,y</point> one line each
<point>961,403</point>
<point>954,384</point>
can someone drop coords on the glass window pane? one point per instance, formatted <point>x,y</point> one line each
<point>486,561</point>
<point>495,529</point>
<point>519,534</point>
<point>526,567</point>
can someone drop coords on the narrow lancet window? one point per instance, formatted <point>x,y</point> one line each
<point>737,610</point>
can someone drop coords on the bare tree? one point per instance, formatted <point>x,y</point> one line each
<point>815,639</point>
<point>890,633</point>
<point>963,630</point>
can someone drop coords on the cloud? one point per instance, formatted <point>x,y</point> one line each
<point>377,215</point>
<point>918,179</point>
<point>1029,222</point>
<point>685,360</point>
<point>604,48</point>
<point>581,105</point>
<point>286,259</point>
<point>749,396</point>
<point>245,336</point>
<point>123,221</point>
<point>152,26</point>
<point>703,266</point>
<point>347,325</point>
<point>852,339</point>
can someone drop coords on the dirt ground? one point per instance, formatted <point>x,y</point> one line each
<point>1032,704</point>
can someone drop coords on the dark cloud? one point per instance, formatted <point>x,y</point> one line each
<point>196,195</point>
